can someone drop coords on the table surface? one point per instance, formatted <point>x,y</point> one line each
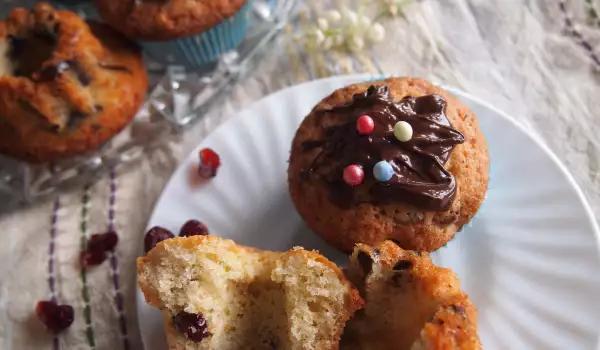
<point>536,60</point>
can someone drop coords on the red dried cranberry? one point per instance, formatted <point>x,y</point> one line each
<point>154,236</point>
<point>103,241</point>
<point>89,258</point>
<point>209,163</point>
<point>97,247</point>
<point>57,318</point>
<point>193,228</point>
<point>193,326</point>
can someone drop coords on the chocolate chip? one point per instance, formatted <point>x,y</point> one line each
<point>402,265</point>
<point>459,309</point>
<point>376,252</point>
<point>365,261</point>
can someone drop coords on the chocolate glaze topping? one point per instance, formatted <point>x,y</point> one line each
<point>420,178</point>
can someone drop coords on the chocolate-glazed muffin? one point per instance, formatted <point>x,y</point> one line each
<point>66,85</point>
<point>397,159</point>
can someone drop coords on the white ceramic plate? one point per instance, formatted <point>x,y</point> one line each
<point>529,260</point>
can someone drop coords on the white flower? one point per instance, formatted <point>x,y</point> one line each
<point>318,36</point>
<point>338,40</point>
<point>327,43</point>
<point>364,22</point>
<point>333,16</point>
<point>356,43</point>
<point>393,9</point>
<point>349,16</point>
<point>322,24</point>
<point>376,33</point>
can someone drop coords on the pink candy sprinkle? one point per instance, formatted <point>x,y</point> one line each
<point>365,125</point>
<point>354,175</point>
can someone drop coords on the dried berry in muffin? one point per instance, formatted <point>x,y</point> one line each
<point>193,326</point>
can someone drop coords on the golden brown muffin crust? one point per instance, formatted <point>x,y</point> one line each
<point>410,303</point>
<point>410,226</point>
<point>165,20</point>
<point>68,87</point>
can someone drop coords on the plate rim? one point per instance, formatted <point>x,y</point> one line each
<point>140,300</point>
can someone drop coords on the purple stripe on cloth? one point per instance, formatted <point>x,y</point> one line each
<point>577,35</point>
<point>51,251</point>
<point>114,264</point>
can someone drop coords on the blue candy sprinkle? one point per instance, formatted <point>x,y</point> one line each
<point>383,171</point>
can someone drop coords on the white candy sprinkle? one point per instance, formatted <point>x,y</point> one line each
<point>403,131</point>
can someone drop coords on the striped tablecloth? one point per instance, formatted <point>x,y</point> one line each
<point>538,60</point>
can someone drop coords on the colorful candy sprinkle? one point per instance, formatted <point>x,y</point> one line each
<point>209,163</point>
<point>383,171</point>
<point>354,175</point>
<point>365,125</point>
<point>403,131</point>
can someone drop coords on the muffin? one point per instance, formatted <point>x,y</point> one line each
<point>397,159</point>
<point>188,33</point>
<point>216,294</point>
<point>410,303</point>
<point>66,86</point>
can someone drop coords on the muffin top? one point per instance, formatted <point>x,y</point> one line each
<point>66,86</point>
<point>358,174</point>
<point>160,20</point>
<point>371,137</point>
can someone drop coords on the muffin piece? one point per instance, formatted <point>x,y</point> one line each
<point>358,184</point>
<point>215,294</point>
<point>66,86</point>
<point>409,303</point>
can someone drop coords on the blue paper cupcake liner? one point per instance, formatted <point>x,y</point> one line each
<point>198,50</point>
